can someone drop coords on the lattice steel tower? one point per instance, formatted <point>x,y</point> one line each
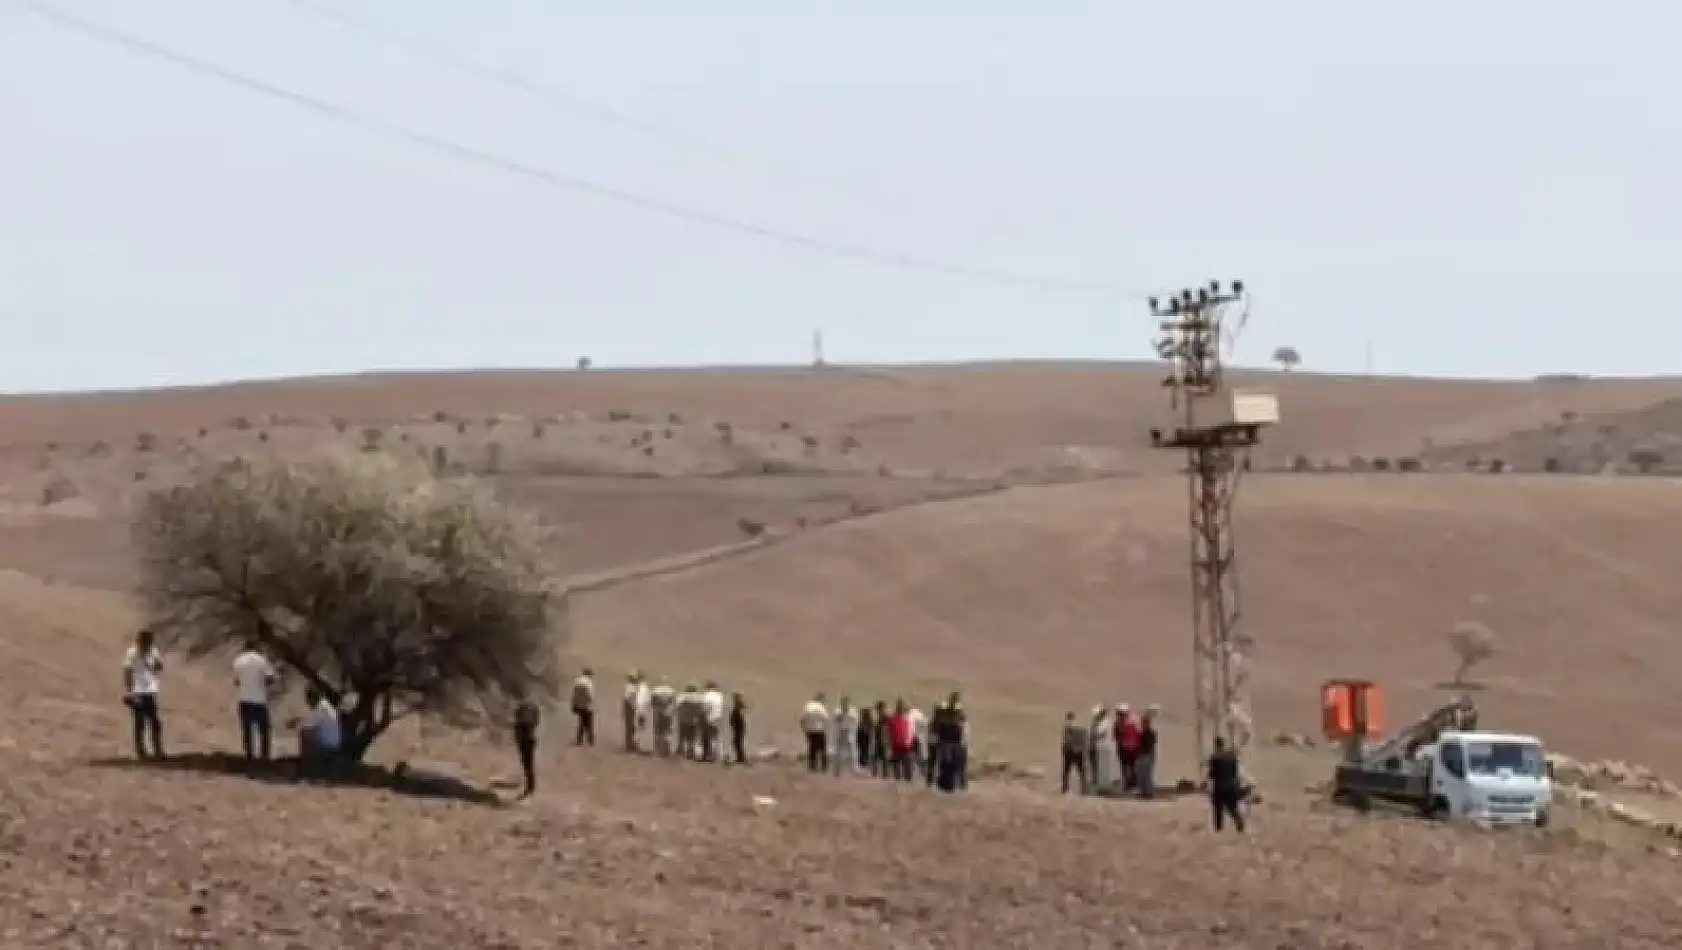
<point>1216,427</point>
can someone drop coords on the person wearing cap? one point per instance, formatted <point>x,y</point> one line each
<point>1127,746</point>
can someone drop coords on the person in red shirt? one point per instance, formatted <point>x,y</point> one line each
<point>902,740</point>
<point>1127,747</point>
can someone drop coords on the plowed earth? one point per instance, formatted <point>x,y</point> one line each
<point>1033,600</point>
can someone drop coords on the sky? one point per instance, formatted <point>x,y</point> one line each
<point>1465,189</point>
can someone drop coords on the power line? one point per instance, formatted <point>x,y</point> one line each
<point>544,92</point>
<point>469,154</point>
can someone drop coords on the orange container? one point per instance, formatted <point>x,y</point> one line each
<point>1350,708</point>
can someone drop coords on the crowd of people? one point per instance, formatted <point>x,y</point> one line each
<point>1112,753</point>
<point>257,683</point>
<point>901,743</point>
<point>699,722</point>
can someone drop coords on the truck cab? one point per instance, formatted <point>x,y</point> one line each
<point>1493,777</point>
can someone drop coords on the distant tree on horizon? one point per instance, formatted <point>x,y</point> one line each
<point>1287,357</point>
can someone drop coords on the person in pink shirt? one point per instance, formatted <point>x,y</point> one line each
<point>902,741</point>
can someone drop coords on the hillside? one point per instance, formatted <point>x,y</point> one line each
<point>997,529</point>
<point>1038,600</point>
<point>620,851</point>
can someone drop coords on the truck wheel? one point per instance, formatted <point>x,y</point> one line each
<point>1542,818</point>
<point>1438,809</point>
<point>1360,801</point>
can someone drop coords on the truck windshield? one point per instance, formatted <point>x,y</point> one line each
<point>1517,758</point>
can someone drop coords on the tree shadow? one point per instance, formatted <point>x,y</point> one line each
<point>402,779</point>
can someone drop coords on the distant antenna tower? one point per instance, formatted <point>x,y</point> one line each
<point>817,348</point>
<point>1216,428</point>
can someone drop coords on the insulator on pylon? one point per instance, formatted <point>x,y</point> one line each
<point>1238,287</point>
<point>1154,308</point>
<point>1202,295</point>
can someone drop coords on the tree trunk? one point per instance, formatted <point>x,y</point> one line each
<point>364,723</point>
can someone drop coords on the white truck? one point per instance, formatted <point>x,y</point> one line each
<point>1492,777</point>
<point>1443,766</point>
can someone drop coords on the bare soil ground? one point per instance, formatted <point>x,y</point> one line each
<point>828,567</point>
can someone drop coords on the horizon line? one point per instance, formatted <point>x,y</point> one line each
<point>828,367</point>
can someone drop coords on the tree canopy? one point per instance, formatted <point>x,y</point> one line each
<point>1287,357</point>
<point>391,591</point>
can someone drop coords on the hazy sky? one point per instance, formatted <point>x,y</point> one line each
<point>1475,188</point>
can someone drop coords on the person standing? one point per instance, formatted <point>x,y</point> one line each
<point>255,680</point>
<point>919,739</point>
<point>630,709</point>
<point>739,728</point>
<point>689,720</point>
<point>1226,786</point>
<point>864,737</point>
<point>949,731</point>
<point>526,718</point>
<point>584,707</point>
<point>881,744</point>
<point>1076,743</point>
<point>662,703</point>
<point>931,748</point>
<point>1127,746</point>
<point>902,737</point>
<point>712,723</point>
<point>1145,768</point>
<point>1094,733</point>
<point>143,668</point>
<point>849,731</point>
<point>814,724</point>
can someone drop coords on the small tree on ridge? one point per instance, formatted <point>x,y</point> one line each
<point>1473,643</point>
<point>392,592</point>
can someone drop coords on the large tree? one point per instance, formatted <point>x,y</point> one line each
<point>391,591</point>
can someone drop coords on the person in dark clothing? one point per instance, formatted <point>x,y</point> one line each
<point>931,750</point>
<point>881,743</point>
<point>947,730</point>
<point>739,728</point>
<point>1144,767</point>
<point>526,718</point>
<point>1226,787</point>
<point>1076,738</point>
<point>584,707</point>
<point>866,737</point>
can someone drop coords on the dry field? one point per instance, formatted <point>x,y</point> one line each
<point>997,529</point>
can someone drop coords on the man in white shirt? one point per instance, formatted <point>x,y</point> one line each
<point>919,738</point>
<point>143,668</point>
<point>712,722</point>
<point>255,680</point>
<point>814,723</point>
<point>846,741</point>
<point>320,737</point>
